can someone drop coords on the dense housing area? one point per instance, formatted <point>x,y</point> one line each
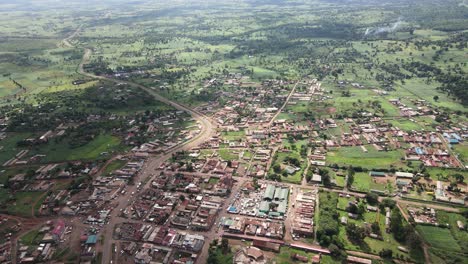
<point>246,131</point>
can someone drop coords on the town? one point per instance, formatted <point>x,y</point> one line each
<point>233,132</point>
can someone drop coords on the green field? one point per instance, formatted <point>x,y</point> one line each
<point>373,159</point>
<point>10,149</point>
<point>228,154</point>
<point>364,182</point>
<point>25,203</point>
<point>31,238</point>
<point>114,165</point>
<point>92,150</point>
<point>451,218</point>
<point>440,238</point>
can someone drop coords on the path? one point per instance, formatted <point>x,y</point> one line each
<point>284,105</point>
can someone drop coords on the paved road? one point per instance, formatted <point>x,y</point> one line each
<point>207,130</point>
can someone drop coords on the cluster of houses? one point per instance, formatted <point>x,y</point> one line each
<point>253,227</point>
<point>303,214</point>
<point>421,108</point>
<point>146,253</point>
<point>47,241</point>
<point>268,201</point>
<point>247,103</point>
<point>423,215</point>
<point>160,235</point>
<point>162,133</point>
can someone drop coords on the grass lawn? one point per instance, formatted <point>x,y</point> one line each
<point>31,238</point>
<point>24,203</point>
<point>462,151</point>
<point>233,135</point>
<point>373,159</point>
<point>343,202</point>
<point>297,176</point>
<point>364,182</point>
<point>340,181</point>
<point>406,125</point>
<point>228,154</point>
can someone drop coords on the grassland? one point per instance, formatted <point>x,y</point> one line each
<point>92,150</point>
<point>451,219</point>
<point>373,159</point>
<point>228,154</point>
<point>31,238</point>
<point>9,148</point>
<point>25,203</point>
<point>114,165</point>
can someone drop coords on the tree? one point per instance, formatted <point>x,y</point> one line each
<point>387,203</point>
<point>386,253</point>
<point>376,228</point>
<point>277,168</point>
<point>436,98</point>
<point>225,246</point>
<point>396,225</point>
<point>458,177</point>
<point>350,181</point>
<point>355,233</point>
<point>361,209</point>
<point>413,240</point>
<point>372,198</point>
<point>326,180</point>
<point>255,183</point>
<point>352,208</point>
<point>336,251</point>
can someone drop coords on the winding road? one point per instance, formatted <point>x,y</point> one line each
<point>207,130</point>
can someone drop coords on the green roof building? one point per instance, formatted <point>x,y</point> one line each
<point>264,207</point>
<point>269,192</point>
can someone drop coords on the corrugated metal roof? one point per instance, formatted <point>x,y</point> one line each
<point>269,192</point>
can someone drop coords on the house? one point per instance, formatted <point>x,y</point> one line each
<point>316,178</point>
<point>352,259</point>
<point>377,174</point>
<point>266,245</point>
<point>91,240</point>
<point>344,220</point>
<point>254,253</point>
<point>406,175</point>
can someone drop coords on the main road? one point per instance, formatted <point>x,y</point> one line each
<point>147,173</point>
